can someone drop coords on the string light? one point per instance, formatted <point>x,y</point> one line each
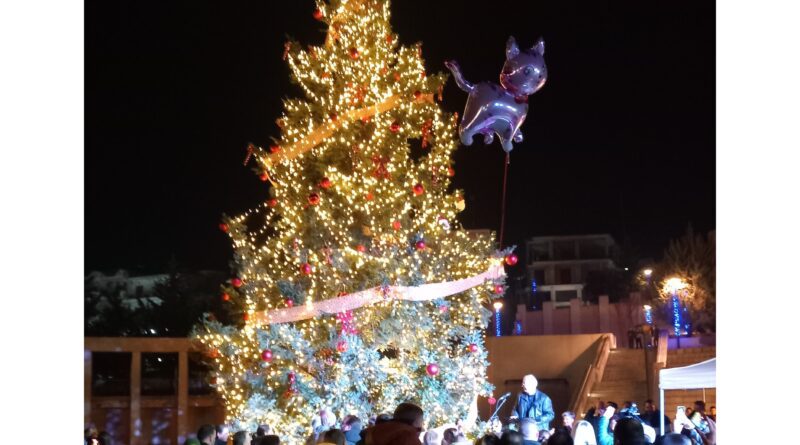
<point>356,224</point>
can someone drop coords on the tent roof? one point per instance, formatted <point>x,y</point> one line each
<point>699,375</point>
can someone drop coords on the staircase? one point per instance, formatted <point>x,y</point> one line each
<point>689,356</point>
<point>624,379</point>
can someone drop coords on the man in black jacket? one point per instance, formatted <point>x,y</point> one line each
<point>533,404</point>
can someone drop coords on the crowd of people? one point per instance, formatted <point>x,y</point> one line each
<point>604,424</point>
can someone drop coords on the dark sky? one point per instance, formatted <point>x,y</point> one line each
<point>621,139</point>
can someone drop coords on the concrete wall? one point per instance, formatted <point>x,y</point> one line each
<point>559,362</point>
<point>578,318</point>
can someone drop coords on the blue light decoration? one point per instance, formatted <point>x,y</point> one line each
<point>497,323</point>
<point>676,314</point>
<point>517,327</point>
<point>648,314</point>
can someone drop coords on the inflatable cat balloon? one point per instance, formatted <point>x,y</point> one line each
<point>501,109</point>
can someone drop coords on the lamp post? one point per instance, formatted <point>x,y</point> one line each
<point>497,306</point>
<point>648,314</point>
<point>672,287</point>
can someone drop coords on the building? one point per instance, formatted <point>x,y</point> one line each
<point>558,266</point>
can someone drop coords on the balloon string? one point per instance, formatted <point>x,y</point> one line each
<point>503,204</point>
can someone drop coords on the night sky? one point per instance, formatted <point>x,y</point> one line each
<point>621,139</point>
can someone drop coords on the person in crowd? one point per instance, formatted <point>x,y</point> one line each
<point>605,425</point>
<point>652,417</point>
<point>713,413</point>
<point>629,431</point>
<point>544,436</point>
<point>568,418</point>
<point>351,425</point>
<point>534,404</point>
<point>333,436</point>
<point>404,428</point>
<point>192,441</point>
<point>560,438</point>
<point>207,434</point>
<point>449,436</point>
<point>104,438</point>
<point>511,438</point>
<point>263,430</point>
<point>269,439</point>
<point>432,437</point>
<point>583,434</point>
<point>675,439</point>
<point>699,416</point>
<point>530,432</point>
<point>488,439</point>
<point>241,438</point>
<point>222,434</point>
<point>90,435</point>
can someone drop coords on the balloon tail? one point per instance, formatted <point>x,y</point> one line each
<point>503,200</point>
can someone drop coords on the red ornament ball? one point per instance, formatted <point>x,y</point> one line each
<point>224,227</point>
<point>418,189</point>
<point>334,116</point>
<point>341,346</point>
<point>306,269</point>
<point>361,248</point>
<point>450,172</point>
<point>245,316</point>
<point>272,202</point>
<point>397,225</point>
<point>395,127</point>
<point>236,282</point>
<point>473,348</point>
<point>325,183</point>
<point>226,297</point>
<point>264,177</point>
<point>213,380</point>
<point>318,14</point>
<point>443,309</point>
<point>417,94</point>
<point>289,302</point>
<point>274,148</point>
<point>353,53</point>
<point>266,355</point>
<point>369,196</point>
<point>292,377</point>
<point>492,401</point>
<point>420,245</point>
<point>498,289</point>
<point>432,369</point>
<point>511,259</point>
<point>313,199</point>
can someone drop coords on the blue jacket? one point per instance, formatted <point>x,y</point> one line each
<point>538,407</point>
<point>604,436</point>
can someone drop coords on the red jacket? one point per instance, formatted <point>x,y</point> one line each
<point>392,433</point>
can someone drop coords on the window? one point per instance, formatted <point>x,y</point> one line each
<point>563,296</point>
<point>111,373</point>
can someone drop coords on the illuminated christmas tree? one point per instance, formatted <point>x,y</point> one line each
<point>356,286</point>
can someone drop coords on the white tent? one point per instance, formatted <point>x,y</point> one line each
<point>699,375</point>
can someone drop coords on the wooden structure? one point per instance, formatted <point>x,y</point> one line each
<point>181,404</point>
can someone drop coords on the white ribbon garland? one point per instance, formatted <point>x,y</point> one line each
<point>424,292</point>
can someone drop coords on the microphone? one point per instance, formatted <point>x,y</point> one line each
<point>505,395</point>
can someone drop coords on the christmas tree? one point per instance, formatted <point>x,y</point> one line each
<point>356,286</point>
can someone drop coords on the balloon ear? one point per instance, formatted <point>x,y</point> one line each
<point>512,50</point>
<point>539,46</point>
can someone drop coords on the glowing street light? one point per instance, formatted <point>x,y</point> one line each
<point>647,272</point>
<point>498,305</point>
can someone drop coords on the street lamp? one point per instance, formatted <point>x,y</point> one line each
<point>672,286</point>
<point>648,314</point>
<point>497,306</point>
<point>647,272</point>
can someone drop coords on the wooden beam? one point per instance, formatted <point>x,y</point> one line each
<point>136,404</point>
<point>140,344</point>
<point>183,396</point>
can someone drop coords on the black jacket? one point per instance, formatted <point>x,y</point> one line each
<point>538,407</point>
